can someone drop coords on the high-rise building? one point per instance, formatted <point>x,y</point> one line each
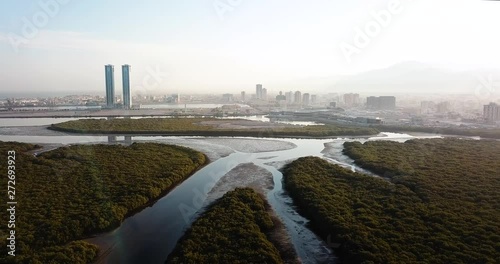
<point>491,112</point>
<point>175,98</point>
<point>298,97</point>
<point>314,99</point>
<point>427,107</point>
<point>443,107</point>
<point>127,99</point>
<point>258,91</point>
<point>351,99</point>
<point>264,94</point>
<point>280,97</point>
<point>381,102</point>
<point>110,85</point>
<point>305,99</point>
<point>289,97</point>
<point>227,98</point>
<point>242,96</point>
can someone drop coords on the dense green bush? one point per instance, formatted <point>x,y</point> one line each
<point>192,126</point>
<point>72,192</point>
<point>441,204</point>
<point>232,230</point>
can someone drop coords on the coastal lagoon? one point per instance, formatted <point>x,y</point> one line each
<point>151,234</point>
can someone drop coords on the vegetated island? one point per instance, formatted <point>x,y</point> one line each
<point>206,127</point>
<point>440,205</point>
<point>236,228</point>
<point>71,193</point>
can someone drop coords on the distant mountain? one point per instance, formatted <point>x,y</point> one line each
<point>414,77</point>
<point>406,77</point>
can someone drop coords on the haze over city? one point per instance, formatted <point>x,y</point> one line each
<point>220,46</point>
<point>250,131</point>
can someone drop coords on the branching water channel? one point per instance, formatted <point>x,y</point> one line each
<point>150,235</point>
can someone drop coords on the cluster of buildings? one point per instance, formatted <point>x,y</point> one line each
<point>297,98</point>
<point>110,86</point>
<point>491,112</point>
<point>260,93</point>
<point>381,102</point>
<point>376,103</point>
<point>51,102</point>
<point>288,98</point>
<point>429,107</point>
<point>351,100</point>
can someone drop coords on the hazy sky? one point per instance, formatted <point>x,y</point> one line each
<point>230,45</point>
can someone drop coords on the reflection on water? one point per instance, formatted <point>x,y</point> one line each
<point>12,122</point>
<point>149,236</point>
<point>115,139</point>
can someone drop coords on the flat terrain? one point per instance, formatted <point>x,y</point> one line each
<point>205,127</point>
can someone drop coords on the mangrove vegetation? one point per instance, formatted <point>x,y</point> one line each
<point>439,201</point>
<point>70,193</point>
<point>196,127</point>
<point>234,229</point>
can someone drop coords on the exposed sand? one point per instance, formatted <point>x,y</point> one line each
<point>250,145</point>
<point>212,151</point>
<point>243,175</point>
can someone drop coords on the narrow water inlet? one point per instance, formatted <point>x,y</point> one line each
<point>150,235</point>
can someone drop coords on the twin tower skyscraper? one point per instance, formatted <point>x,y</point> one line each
<point>110,86</point>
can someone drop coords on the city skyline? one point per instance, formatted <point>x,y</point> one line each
<point>238,50</point>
